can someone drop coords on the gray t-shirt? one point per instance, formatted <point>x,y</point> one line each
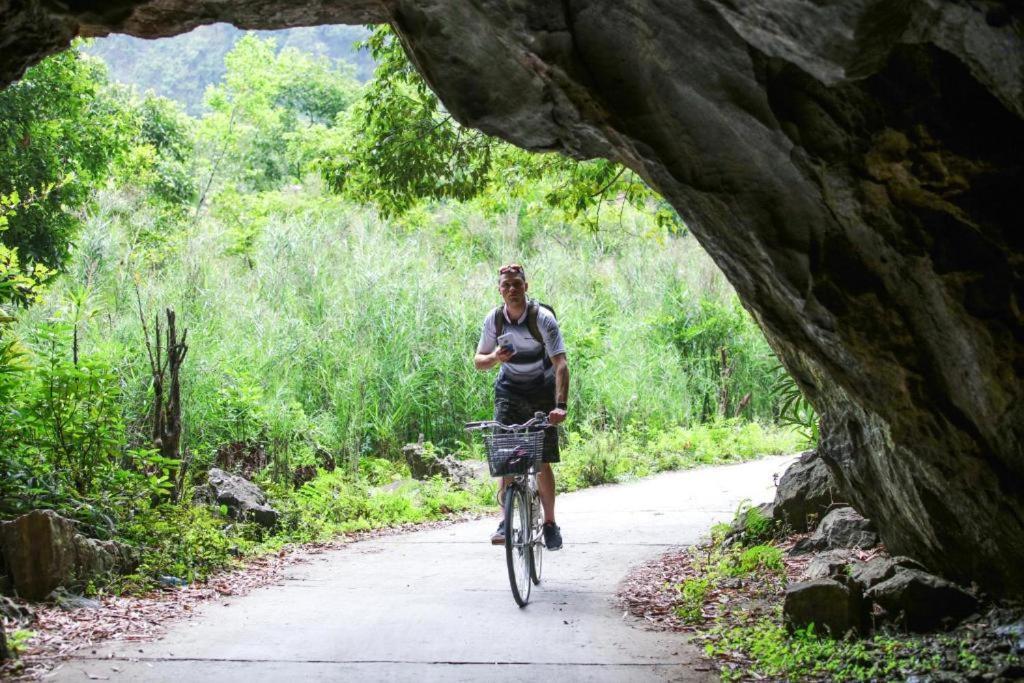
<point>526,368</point>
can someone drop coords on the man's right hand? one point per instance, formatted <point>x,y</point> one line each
<point>503,355</point>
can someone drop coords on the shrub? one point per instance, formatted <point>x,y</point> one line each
<point>692,593</point>
<point>182,541</point>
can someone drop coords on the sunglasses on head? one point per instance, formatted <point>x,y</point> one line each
<point>510,268</point>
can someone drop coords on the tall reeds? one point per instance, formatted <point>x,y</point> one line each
<point>337,331</point>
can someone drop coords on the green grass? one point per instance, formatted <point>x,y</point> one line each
<point>593,457</point>
<point>805,655</point>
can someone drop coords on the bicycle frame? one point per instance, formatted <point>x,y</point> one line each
<point>519,493</point>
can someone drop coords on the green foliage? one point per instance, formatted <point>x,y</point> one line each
<point>750,526</point>
<point>19,286</point>
<point>340,502</point>
<point>18,639</point>
<point>182,541</point>
<point>804,655</point>
<point>72,420</point>
<point>794,408</point>
<point>270,103</point>
<point>592,456</point>
<point>159,162</point>
<point>692,594</point>
<point>741,550</point>
<point>59,132</point>
<point>723,347</point>
<point>761,558</point>
<point>408,146</point>
<point>402,147</point>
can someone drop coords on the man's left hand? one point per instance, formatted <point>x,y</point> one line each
<point>556,416</point>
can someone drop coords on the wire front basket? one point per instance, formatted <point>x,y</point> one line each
<point>511,453</point>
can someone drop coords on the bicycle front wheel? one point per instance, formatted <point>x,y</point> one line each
<point>518,548</point>
<point>537,547</point>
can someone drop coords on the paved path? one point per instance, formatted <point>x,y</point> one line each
<point>435,605</point>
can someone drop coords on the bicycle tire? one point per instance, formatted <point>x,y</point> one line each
<point>537,533</point>
<point>517,543</point>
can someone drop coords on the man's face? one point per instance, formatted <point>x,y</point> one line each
<point>512,288</point>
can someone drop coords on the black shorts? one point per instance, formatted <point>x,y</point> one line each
<point>516,408</point>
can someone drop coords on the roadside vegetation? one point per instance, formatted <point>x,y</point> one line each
<point>331,249</point>
<point>727,594</point>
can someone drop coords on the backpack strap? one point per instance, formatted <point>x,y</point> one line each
<point>532,309</point>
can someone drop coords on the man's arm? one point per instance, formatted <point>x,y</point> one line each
<point>486,361</point>
<point>561,367</point>
<point>488,354</point>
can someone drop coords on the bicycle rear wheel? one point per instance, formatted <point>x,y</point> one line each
<point>537,534</point>
<point>518,549</point>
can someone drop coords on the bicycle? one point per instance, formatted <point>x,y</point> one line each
<point>515,451</point>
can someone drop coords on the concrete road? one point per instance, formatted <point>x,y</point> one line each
<point>435,605</point>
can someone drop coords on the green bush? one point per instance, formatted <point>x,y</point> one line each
<point>182,541</point>
<point>73,412</point>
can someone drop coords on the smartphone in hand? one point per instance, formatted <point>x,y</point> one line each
<point>506,343</point>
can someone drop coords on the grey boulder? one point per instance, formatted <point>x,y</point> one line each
<point>834,607</point>
<point>828,564</point>
<point>870,574</point>
<point>806,491</point>
<point>244,500</point>
<point>842,528</point>
<point>424,465</point>
<point>921,601</point>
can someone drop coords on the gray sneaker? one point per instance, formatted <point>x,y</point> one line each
<point>552,536</point>
<point>498,537</point>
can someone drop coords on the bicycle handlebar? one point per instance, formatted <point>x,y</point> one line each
<point>539,419</point>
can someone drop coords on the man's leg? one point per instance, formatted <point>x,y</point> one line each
<point>506,411</point>
<point>546,488</point>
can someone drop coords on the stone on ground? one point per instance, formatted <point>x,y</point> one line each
<point>870,574</point>
<point>828,565</point>
<point>424,465</point>
<point>805,493</point>
<point>243,499</point>
<point>833,607</point>
<point>842,528</point>
<point>921,601</point>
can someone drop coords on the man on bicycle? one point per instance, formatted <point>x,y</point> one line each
<point>534,376</point>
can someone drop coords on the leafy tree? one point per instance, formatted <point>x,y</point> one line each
<point>402,147</point>
<point>264,108</point>
<point>59,132</point>
<point>164,140</point>
<point>19,286</point>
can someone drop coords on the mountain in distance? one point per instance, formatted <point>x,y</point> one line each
<point>182,66</point>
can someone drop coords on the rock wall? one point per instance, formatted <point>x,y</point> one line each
<point>852,166</point>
